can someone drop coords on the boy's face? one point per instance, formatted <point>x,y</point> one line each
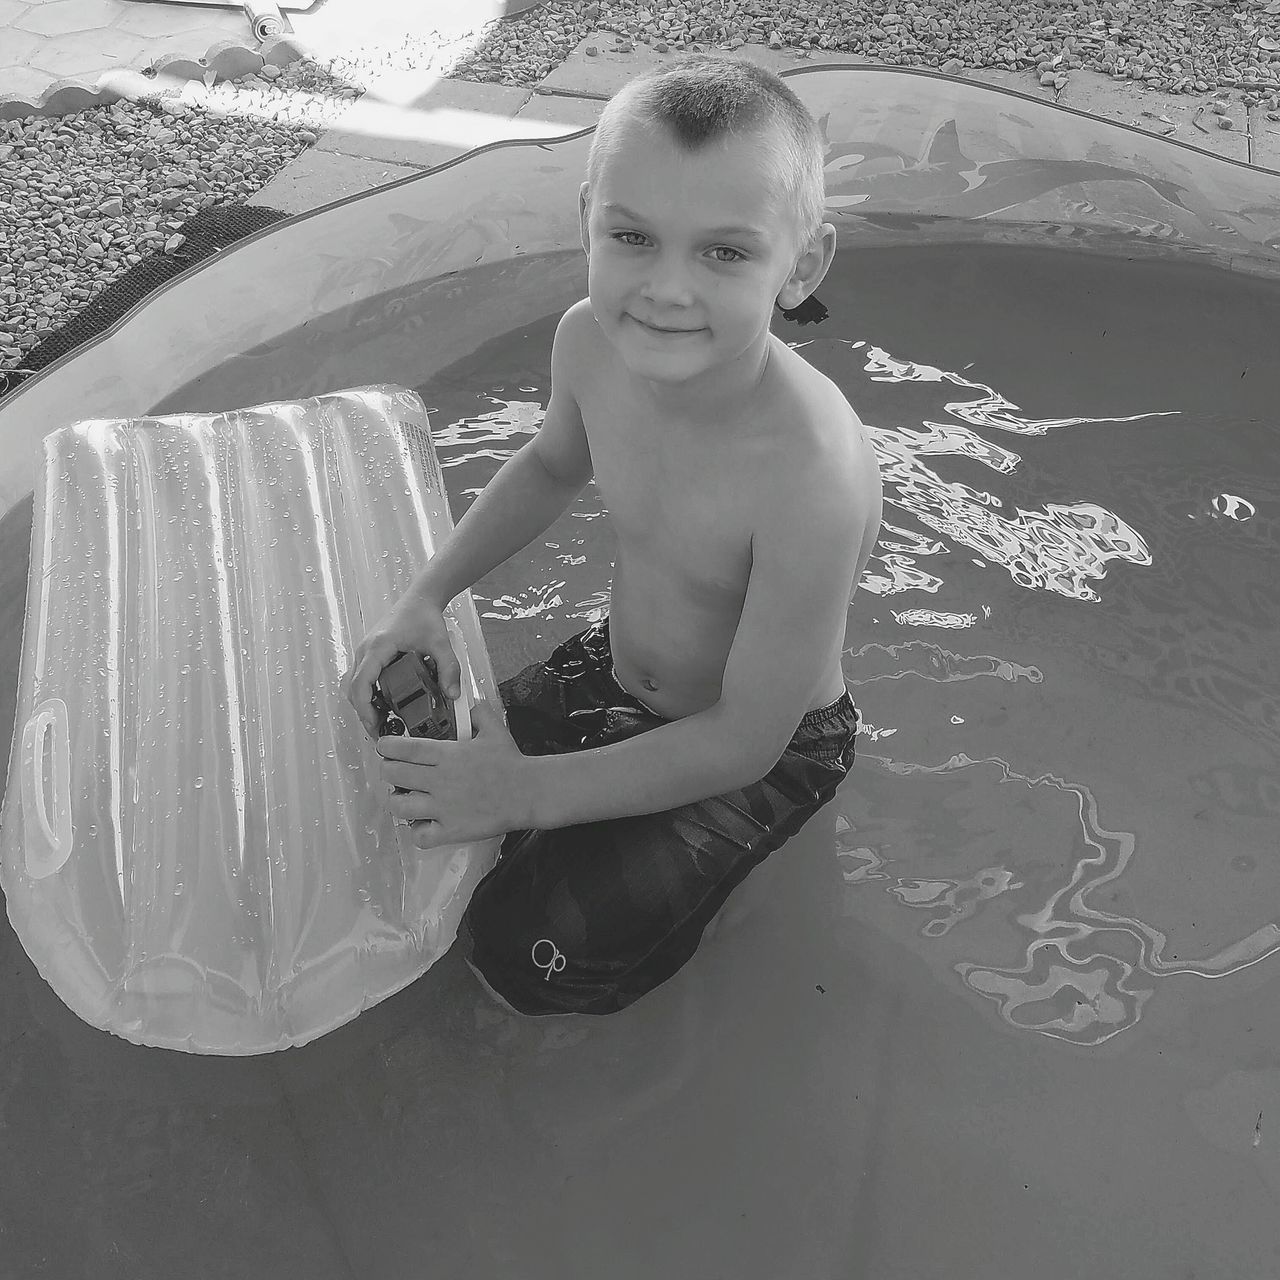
<point>687,252</point>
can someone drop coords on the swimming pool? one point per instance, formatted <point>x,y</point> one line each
<point>1011,1002</point>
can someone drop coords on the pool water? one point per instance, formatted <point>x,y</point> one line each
<point>1064,647</point>
<point>986,1001</point>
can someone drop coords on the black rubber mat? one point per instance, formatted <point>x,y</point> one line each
<point>206,232</point>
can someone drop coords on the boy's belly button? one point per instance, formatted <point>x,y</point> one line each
<point>649,684</point>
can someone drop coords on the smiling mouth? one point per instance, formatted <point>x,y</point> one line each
<point>653,328</point>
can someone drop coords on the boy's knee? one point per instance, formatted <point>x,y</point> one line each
<point>541,951</point>
<point>532,974</point>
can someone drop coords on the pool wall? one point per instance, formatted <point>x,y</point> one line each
<point>912,157</point>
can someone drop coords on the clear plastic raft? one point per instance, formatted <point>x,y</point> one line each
<point>192,848</point>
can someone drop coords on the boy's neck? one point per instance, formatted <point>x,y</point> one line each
<point>718,399</point>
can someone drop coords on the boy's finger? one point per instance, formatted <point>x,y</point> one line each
<point>359,692</point>
<point>484,713</point>
<point>450,673</point>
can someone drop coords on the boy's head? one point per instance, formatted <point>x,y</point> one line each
<point>702,209</point>
<point>703,100</point>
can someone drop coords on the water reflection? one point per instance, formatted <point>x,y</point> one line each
<point>1060,547</point>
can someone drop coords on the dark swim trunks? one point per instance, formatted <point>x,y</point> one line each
<point>587,918</point>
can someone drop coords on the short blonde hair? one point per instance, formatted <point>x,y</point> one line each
<point>701,99</point>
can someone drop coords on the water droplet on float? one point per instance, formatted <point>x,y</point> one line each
<point>197,782</point>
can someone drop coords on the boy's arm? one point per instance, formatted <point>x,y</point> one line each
<point>527,492</point>
<point>805,554</point>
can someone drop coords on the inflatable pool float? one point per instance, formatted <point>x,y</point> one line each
<point>192,847</point>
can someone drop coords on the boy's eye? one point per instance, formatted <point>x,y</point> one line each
<point>635,239</point>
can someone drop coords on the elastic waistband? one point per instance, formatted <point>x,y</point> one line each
<point>821,718</point>
<point>818,720</point>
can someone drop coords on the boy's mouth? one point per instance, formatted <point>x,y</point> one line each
<point>655,328</point>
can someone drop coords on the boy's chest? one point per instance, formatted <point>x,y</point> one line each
<point>685,508</point>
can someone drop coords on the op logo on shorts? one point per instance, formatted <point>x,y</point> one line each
<point>551,964</point>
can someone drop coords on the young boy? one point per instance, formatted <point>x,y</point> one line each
<point>657,757</point>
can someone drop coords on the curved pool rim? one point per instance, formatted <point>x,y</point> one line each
<point>903,145</point>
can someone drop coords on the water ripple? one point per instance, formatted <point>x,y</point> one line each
<point>1086,972</point>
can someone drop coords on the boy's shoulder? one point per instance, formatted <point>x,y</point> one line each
<point>820,444</point>
<point>812,405</point>
<point>576,347</point>
<point>578,324</point>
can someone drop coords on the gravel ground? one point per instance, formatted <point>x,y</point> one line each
<point>84,196</point>
<point>1180,46</point>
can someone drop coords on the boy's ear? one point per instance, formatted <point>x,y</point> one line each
<point>811,266</point>
<point>584,212</point>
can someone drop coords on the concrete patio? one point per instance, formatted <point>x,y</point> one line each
<point>52,45</point>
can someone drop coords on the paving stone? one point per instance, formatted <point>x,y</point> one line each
<point>431,90</point>
<point>444,121</point>
<point>22,86</point>
<point>159,21</point>
<point>84,52</point>
<point>425,151</point>
<point>62,17</point>
<point>570,112</point>
<point>328,26</point>
<point>17,50</point>
<point>605,73</point>
<point>1124,102</point>
<point>318,178</point>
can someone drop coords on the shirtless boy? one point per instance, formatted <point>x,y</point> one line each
<point>657,757</point>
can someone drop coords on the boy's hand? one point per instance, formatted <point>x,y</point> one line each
<point>415,625</point>
<point>456,792</point>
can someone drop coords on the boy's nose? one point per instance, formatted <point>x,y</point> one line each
<point>668,283</point>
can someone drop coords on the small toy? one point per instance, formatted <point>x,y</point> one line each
<point>408,700</point>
